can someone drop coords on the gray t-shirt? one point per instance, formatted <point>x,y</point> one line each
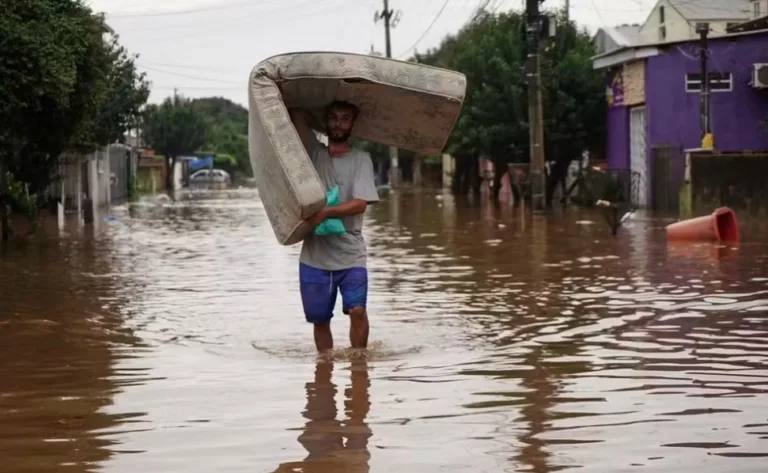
<point>353,173</point>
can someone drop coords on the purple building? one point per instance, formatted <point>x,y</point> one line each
<point>654,103</point>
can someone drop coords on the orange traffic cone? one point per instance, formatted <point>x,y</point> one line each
<point>720,226</point>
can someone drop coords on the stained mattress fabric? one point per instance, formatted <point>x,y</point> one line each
<point>407,105</point>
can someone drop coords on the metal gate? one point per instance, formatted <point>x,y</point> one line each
<point>667,173</point>
<point>119,160</point>
<point>637,155</point>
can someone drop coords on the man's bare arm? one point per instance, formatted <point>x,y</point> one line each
<point>347,209</point>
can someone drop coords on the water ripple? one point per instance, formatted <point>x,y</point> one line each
<point>172,339</point>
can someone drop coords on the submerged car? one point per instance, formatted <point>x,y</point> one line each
<point>210,176</point>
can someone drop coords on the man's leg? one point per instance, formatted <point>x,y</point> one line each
<point>353,285</point>
<point>323,337</point>
<point>318,296</point>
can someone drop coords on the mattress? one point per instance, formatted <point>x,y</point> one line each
<point>407,105</point>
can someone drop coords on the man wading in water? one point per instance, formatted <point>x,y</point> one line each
<point>337,263</point>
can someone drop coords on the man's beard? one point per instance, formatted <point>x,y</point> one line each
<point>340,137</point>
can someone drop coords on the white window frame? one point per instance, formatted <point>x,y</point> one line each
<point>689,82</point>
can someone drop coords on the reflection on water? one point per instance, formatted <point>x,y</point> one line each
<point>332,444</point>
<point>171,338</point>
<point>58,347</point>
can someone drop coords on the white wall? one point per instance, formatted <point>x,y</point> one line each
<point>178,168</point>
<point>677,27</point>
<point>758,8</point>
<point>449,167</point>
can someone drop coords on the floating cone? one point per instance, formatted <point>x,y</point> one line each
<point>720,226</point>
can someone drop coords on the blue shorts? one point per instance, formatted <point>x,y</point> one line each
<point>319,288</point>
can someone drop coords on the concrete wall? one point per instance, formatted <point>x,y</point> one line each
<point>737,181</point>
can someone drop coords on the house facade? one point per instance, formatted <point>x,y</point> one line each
<point>758,9</point>
<point>675,20</point>
<point>654,101</point>
<point>103,177</point>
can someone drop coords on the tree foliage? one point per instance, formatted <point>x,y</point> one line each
<point>125,94</point>
<point>174,128</point>
<point>491,51</point>
<point>228,132</point>
<point>62,87</point>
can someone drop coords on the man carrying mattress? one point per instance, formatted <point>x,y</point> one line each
<point>337,263</point>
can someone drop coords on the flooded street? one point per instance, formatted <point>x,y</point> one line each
<point>171,339</point>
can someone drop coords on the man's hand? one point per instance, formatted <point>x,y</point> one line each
<point>318,218</point>
<point>347,209</point>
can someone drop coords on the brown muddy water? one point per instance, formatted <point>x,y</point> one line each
<point>171,339</point>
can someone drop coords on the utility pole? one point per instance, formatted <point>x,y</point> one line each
<point>567,11</point>
<point>390,18</point>
<point>706,127</point>
<point>535,112</point>
<point>4,202</point>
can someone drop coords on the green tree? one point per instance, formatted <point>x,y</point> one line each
<point>491,51</point>
<point>174,128</point>
<point>228,131</point>
<point>38,71</point>
<point>62,87</point>
<point>574,100</point>
<point>126,92</point>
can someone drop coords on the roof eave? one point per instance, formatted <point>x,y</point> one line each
<point>624,55</point>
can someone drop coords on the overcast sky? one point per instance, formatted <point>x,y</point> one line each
<point>208,47</point>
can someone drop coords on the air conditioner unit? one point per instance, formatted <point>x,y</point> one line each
<point>760,76</point>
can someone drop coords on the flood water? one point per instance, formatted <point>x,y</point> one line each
<point>171,339</point>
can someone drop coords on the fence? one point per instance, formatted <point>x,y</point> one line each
<point>618,186</point>
<point>121,173</point>
<point>66,186</point>
<point>100,177</point>
<point>622,186</point>
<point>667,167</point>
<point>735,180</point>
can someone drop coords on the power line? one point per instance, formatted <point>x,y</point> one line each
<point>481,6</point>
<point>186,76</point>
<point>498,6</point>
<point>599,15</point>
<point>182,12</point>
<point>424,34</point>
<point>187,67</point>
<point>606,10</point>
<point>241,14</point>
<point>209,32</point>
<point>167,87</point>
